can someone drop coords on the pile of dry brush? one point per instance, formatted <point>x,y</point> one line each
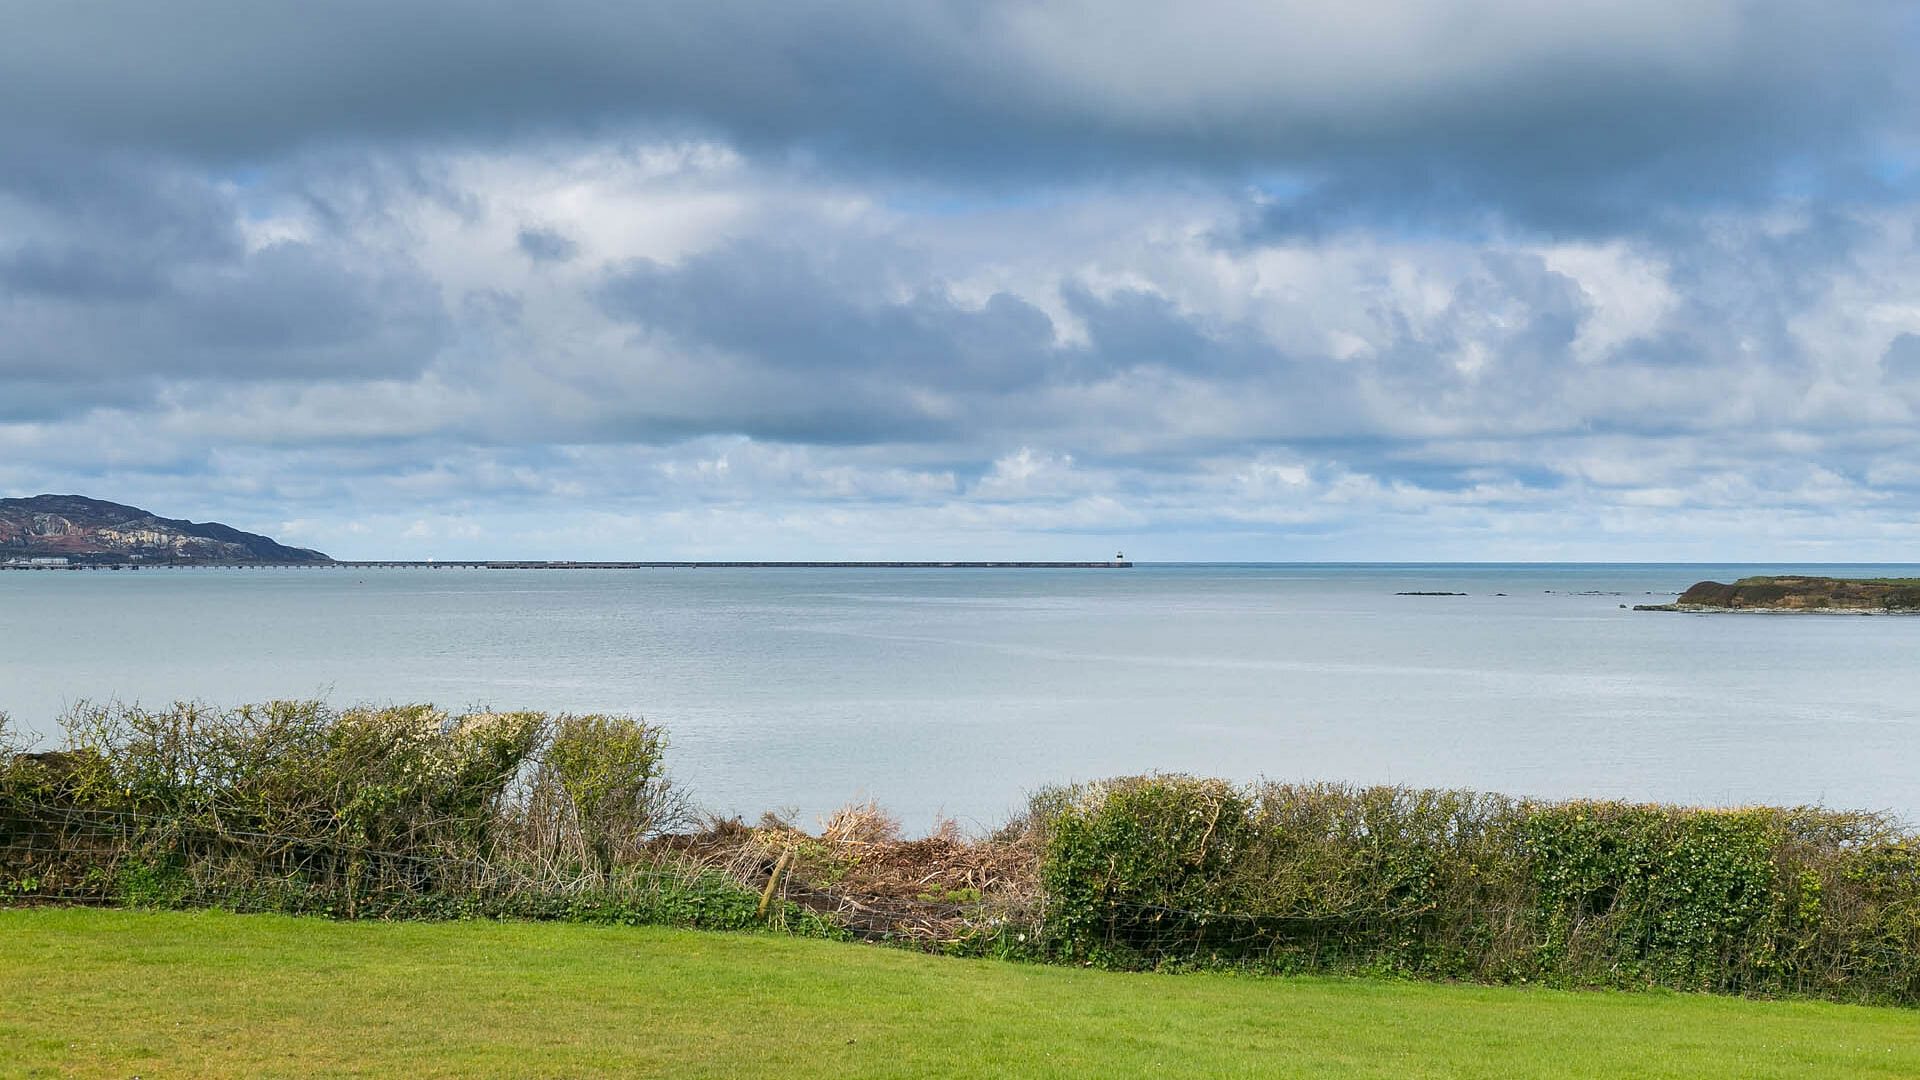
<point>944,890</point>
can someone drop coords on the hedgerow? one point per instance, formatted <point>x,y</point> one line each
<point>1175,871</point>
<point>411,812</point>
<point>394,812</point>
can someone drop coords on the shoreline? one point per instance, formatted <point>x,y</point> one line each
<point>1707,609</point>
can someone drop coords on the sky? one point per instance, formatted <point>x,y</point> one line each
<point>1287,280</point>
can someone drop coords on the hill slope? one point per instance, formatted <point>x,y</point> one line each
<point>86,530</point>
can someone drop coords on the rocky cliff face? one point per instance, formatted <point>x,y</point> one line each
<point>85,530</point>
<point>1799,594</point>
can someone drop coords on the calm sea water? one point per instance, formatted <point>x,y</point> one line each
<point>956,692</point>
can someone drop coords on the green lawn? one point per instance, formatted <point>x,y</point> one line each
<point>115,993</point>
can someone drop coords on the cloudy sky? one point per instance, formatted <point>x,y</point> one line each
<point>1295,279</point>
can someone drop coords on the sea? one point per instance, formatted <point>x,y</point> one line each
<point>957,693</point>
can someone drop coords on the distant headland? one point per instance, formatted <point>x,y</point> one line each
<point>73,530</point>
<point>1861,596</point>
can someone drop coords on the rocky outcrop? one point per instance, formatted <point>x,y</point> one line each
<point>85,531</point>
<point>1860,595</point>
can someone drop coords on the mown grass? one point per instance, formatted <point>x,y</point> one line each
<point>123,993</point>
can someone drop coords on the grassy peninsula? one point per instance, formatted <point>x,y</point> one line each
<point>117,993</point>
<point>1799,594</point>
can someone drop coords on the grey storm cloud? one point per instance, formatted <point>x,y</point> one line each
<point>787,348</point>
<point>546,245</point>
<point>76,272</point>
<point>1566,112</point>
<point>283,312</point>
<point>104,296</point>
<point>814,349</point>
<point>776,305</point>
<point>118,274</point>
<point>1902,360</point>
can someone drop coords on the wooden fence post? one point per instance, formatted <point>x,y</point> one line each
<point>773,881</point>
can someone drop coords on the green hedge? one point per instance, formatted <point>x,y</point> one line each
<point>414,813</point>
<point>296,806</point>
<point>1176,871</point>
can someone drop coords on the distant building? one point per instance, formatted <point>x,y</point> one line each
<point>38,561</point>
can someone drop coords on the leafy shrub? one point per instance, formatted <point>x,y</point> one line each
<point>1173,871</point>
<point>1678,897</point>
<point>296,806</point>
<point>599,790</point>
<point>1141,868</point>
